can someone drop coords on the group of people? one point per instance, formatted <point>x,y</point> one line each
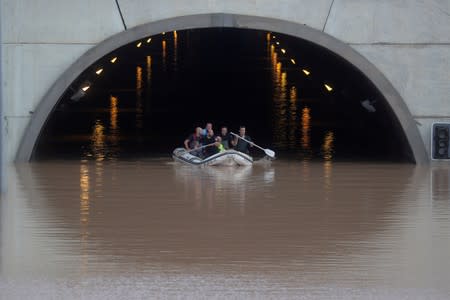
<point>204,143</point>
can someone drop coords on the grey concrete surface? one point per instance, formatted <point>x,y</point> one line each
<point>47,43</point>
<point>2,153</point>
<point>40,66</point>
<point>419,73</point>
<point>310,12</point>
<point>59,21</point>
<point>388,21</point>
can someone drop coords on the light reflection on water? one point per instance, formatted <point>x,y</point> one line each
<point>139,104</point>
<point>175,50</point>
<point>327,146</point>
<point>288,109</point>
<point>164,54</point>
<point>306,132</point>
<point>293,119</point>
<point>286,226</point>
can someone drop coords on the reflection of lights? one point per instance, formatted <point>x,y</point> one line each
<point>327,146</point>
<point>274,60</point>
<point>293,61</point>
<point>99,71</point>
<point>306,127</point>
<point>138,78</point>
<point>278,68</point>
<point>293,115</point>
<point>98,141</point>
<point>279,80</point>
<point>278,43</point>
<point>84,194</point>
<point>328,87</point>
<point>274,37</point>
<point>268,36</point>
<point>84,183</point>
<point>281,110</point>
<point>283,50</point>
<point>293,95</point>
<point>327,172</point>
<point>149,70</point>
<point>139,106</point>
<point>306,72</point>
<point>114,111</point>
<point>283,85</point>
<point>175,48</point>
<point>149,40</point>
<point>139,44</point>
<point>114,59</point>
<point>113,125</point>
<point>164,52</point>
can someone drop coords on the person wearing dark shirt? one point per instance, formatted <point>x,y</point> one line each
<point>241,145</point>
<point>226,137</point>
<point>207,140</point>
<point>193,141</point>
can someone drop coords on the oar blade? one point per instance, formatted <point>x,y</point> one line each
<point>269,153</point>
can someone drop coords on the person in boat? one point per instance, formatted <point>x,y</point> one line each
<point>205,130</point>
<point>225,136</point>
<point>219,144</point>
<point>208,140</point>
<point>241,145</point>
<point>193,141</point>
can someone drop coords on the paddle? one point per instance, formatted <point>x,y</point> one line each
<point>195,149</point>
<point>268,152</point>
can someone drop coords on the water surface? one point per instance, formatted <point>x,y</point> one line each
<point>97,229</point>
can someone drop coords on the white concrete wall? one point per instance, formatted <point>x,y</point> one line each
<point>41,39</point>
<point>408,40</point>
<point>310,12</point>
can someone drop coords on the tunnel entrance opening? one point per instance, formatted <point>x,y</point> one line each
<point>295,97</point>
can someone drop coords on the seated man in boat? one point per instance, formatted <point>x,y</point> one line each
<point>210,140</point>
<point>241,145</point>
<point>193,142</point>
<point>226,137</point>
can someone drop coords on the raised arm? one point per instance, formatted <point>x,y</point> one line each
<point>186,144</point>
<point>234,141</point>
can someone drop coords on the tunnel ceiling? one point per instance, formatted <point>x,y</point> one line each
<point>296,97</point>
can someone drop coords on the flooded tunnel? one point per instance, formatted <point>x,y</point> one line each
<point>295,97</point>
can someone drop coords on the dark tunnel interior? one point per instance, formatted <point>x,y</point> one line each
<point>297,98</point>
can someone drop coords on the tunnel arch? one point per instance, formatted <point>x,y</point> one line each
<point>394,100</point>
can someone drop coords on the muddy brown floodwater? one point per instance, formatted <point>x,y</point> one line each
<point>292,229</point>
